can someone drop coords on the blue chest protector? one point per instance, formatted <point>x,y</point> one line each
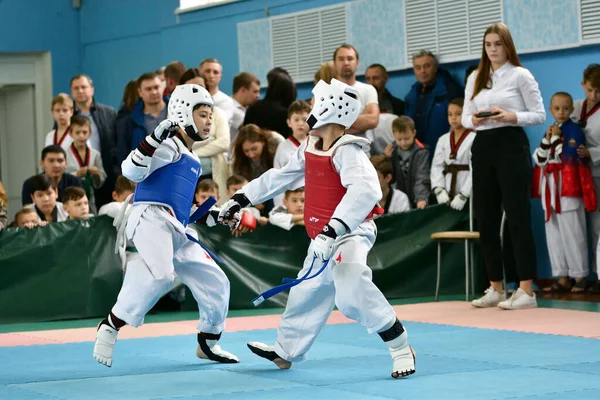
<point>173,185</point>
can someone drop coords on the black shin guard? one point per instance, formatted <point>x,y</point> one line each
<point>390,334</point>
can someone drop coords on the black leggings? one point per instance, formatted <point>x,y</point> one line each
<point>502,173</point>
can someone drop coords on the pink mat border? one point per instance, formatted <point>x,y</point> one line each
<point>541,320</point>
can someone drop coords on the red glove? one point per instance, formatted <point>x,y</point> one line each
<point>248,220</point>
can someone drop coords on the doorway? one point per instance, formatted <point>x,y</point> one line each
<point>18,149</point>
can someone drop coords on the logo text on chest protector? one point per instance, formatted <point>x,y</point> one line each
<point>194,170</point>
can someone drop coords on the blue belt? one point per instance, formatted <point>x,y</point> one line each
<point>288,284</point>
<point>195,217</point>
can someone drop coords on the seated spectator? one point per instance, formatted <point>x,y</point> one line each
<point>451,177</point>
<point>43,194</point>
<point>205,189</point>
<point>236,182</point>
<point>84,161</point>
<point>123,189</point>
<point>291,212</point>
<point>53,165</point>
<point>28,218</point>
<point>393,201</point>
<point>251,155</point>
<point>62,111</point>
<point>410,162</point>
<point>3,208</point>
<point>76,203</point>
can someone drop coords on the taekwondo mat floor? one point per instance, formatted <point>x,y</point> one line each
<point>462,353</point>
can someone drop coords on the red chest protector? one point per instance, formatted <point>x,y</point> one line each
<point>323,189</point>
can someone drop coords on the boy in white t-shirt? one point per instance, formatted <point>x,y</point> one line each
<point>123,188</point>
<point>291,212</point>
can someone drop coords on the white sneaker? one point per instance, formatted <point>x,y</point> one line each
<point>518,301</point>
<point>491,299</point>
<point>106,337</point>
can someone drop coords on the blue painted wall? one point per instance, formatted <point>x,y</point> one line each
<point>34,25</point>
<point>114,41</point>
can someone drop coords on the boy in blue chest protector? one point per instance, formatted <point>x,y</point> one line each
<point>166,172</point>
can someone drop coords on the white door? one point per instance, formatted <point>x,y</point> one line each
<point>19,155</point>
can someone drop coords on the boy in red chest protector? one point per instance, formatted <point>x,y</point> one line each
<point>341,195</point>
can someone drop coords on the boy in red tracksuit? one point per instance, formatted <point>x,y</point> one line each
<point>564,183</point>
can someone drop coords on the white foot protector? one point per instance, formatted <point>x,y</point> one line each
<point>268,352</point>
<point>404,361</point>
<point>106,337</point>
<point>210,350</point>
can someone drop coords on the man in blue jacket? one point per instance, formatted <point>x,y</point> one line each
<point>427,101</point>
<point>145,115</point>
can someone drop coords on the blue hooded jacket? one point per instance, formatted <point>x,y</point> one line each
<point>444,89</point>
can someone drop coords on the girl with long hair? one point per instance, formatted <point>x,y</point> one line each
<point>501,98</point>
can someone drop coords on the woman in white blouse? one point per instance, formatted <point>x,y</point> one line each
<point>501,97</point>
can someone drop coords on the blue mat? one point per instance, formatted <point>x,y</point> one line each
<point>345,363</point>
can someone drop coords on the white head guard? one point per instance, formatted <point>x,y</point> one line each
<point>181,104</point>
<point>336,103</point>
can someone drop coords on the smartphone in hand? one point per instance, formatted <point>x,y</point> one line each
<point>487,114</point>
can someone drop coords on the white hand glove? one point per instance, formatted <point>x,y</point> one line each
<point>459,201</point>
<point>322,245</point>
<point>230,212</point>
<point>164,130</point>
<point>441,195</point>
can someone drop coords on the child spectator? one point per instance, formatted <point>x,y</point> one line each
<point>84,161</point>
<point>291,212</point>
<point>451,177</point>
<point>205,189</point>
<point>123,188</point>
<point>410,162</point>
<point>28,218</point>
<point>236,182</point>
<point>297,113</point>
<point>564,183</point>
<point>43,194</point>
<point>393,200</point>
<point>586,114</point>
<point>53,165</point>
<point>62,111</point>
<point>251,155</point>
<point>76,203</point>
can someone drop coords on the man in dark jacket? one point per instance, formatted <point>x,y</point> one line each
<point>377,75</point>
<point>144,117</point>
<point>428,99</point>
<point>102,118</point>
